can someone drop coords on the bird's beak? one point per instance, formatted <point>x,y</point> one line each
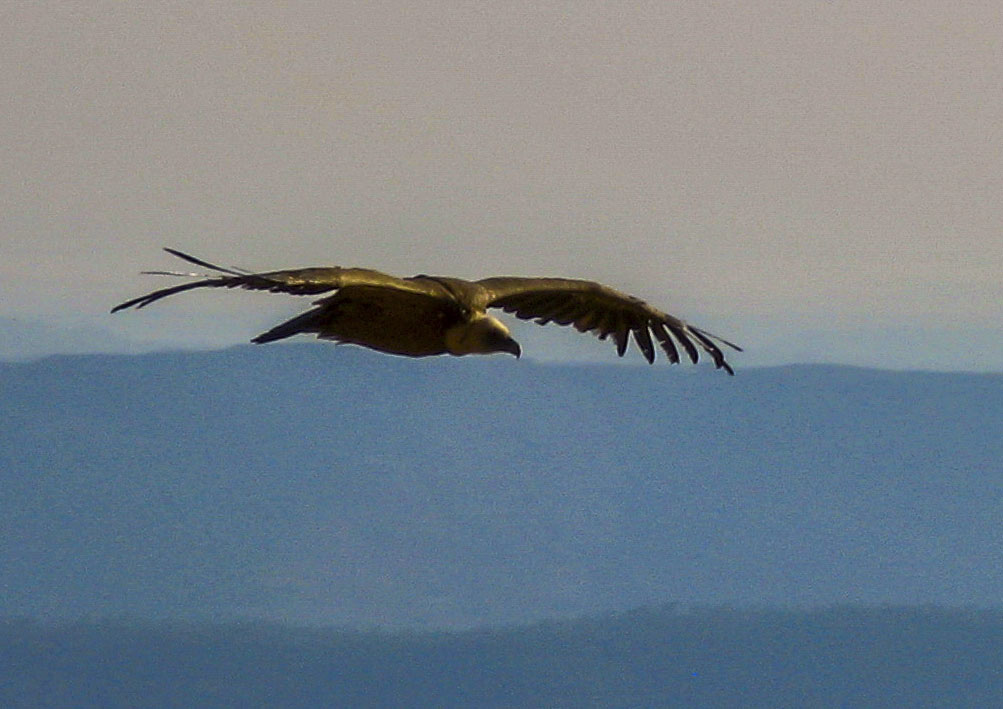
<point>513,347</point>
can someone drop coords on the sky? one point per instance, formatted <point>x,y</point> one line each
<point>818,181</point>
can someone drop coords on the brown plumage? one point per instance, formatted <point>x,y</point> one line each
<point>431,315</point>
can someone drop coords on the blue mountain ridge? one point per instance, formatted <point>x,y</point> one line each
<point>330,485</point>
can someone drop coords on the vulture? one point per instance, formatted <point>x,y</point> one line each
<point>432,315</point>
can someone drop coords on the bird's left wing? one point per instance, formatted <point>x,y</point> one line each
<point>593,307</point>
<point>300,281</point>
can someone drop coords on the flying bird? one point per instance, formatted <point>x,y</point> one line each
<point>432,315</point>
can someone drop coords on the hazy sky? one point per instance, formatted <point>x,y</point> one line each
<point>816,180</point>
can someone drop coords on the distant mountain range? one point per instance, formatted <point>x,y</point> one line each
<point>651,657</point>
<point>322,484</point>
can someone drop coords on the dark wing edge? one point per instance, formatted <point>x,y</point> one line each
<point>302,281</point>
<point>593,307</point>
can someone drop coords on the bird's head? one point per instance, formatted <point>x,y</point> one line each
<point>481,335</point>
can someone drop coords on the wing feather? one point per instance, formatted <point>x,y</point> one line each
<point>643,339</point>
<point>662,335</point>
<point>607,323</point>
<point>593,307</point>
<point>568,313</point>
<point>589,320</point>
<point>680,331</point>
<point>715,352</point>
<point>620,335</point>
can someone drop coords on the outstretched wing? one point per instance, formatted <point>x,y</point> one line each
<point>300,281</point>
<point>593,307</point>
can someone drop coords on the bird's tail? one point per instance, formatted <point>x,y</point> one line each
<point>308,322</point>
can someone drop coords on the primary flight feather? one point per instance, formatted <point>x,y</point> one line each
<point>431,315</point>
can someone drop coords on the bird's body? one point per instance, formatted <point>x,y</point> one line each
<point>431,315</point>
<point>401,322</point>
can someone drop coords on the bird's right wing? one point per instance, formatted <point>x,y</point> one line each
<point>300,281</point>
<point>593,307</point>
